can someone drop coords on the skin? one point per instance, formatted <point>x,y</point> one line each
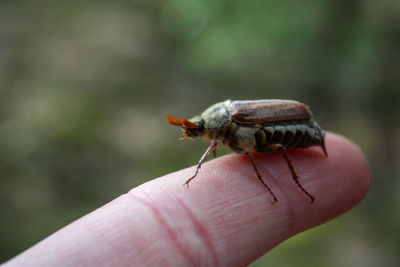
<point>225,218</point>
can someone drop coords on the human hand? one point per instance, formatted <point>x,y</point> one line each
<point>225,218</point>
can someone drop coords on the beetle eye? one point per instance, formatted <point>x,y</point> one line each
<point>201,126</point>
<point>195,132</point>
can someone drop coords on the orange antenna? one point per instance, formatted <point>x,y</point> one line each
<point>181,122</point>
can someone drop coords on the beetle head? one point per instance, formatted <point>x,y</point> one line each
<point>192,128</point>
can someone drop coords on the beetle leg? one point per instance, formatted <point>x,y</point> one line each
<point>212,147</point>
<point>294,174</point>
<point>259,176</point>
<point>214,152</point>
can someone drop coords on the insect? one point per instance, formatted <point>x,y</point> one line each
<point>263,126</point>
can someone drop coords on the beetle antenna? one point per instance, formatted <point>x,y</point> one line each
<point>184,123</point>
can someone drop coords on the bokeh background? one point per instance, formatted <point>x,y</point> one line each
<point>85,87</point>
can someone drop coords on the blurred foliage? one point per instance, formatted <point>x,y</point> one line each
<point>85,87</point>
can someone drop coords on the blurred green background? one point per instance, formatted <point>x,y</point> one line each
<point>85,87</point>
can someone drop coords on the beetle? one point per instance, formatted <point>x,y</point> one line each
<point>247,126</point>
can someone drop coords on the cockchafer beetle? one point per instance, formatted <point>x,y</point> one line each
<point>255,125</point>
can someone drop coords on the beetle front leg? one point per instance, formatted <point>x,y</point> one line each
<point>210,149</point>
<point>214,152</point>
<point>294,174</point>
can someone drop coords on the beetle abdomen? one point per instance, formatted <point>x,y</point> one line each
<point>298,134</point>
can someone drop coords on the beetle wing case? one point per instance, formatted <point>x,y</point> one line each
<point>262,111</point>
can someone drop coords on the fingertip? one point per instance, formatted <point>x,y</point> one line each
<point>232,202</point>
<point>349,171</point>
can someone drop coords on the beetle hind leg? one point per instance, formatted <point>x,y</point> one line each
<point>294,174</point>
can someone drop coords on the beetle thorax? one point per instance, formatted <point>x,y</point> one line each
<point>216,115</point>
